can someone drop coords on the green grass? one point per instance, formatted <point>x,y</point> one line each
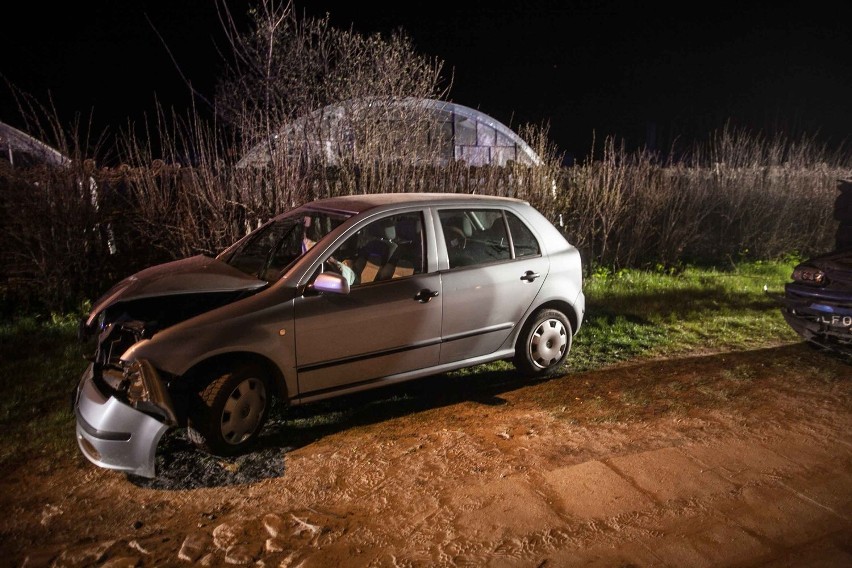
<point>40,364</point>
<point>630,314</point>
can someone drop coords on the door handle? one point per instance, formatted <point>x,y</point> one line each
<point>529,275</point>
<point>425,295</point>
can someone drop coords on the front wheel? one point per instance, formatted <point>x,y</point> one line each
<point>230,411</point>
<point>543,343</point>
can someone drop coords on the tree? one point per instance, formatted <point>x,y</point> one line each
<point>283,69</point>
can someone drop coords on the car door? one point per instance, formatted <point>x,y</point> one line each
<point>388,323</point>
<point>488,284</point>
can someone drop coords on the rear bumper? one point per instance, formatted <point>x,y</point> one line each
<point>814,327</point>
<point>824,321</point>
<point>114,435</point>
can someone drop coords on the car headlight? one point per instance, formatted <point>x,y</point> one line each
<point>137,389</point>
<point>146,392</point>
<point>809,275</point>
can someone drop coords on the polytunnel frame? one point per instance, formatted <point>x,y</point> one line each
<point>331,115</point>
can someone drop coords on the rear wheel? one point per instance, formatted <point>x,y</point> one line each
<point>543,343</point>
<point>230,411</point>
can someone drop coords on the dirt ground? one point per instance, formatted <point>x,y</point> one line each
<point>725,459</point>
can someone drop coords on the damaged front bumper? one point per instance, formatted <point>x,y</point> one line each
<point>120,435</point>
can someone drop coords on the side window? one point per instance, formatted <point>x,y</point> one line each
<point>525,242</point>
<point>391,247</point>
<point>474,236</point>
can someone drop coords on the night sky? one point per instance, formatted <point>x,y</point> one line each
<point>641,71</point>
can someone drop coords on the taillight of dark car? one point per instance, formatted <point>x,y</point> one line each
<point>809,275</point>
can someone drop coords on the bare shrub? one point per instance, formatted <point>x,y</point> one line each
<point>53,243</point>
<point>737,195</point>
<point>312,97</point>
<point>55,227</point>
<point>598,201</point>
<point>188,203</point>
<point>768,196</point>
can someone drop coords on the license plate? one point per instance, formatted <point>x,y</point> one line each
<point>836,321</point>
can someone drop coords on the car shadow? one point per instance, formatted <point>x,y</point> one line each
<point>180,465</point>
<point>838,352</point>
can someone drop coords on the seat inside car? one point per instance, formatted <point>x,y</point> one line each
<point>457,231</point>
<point>407,258</point>
<point>375,252</point>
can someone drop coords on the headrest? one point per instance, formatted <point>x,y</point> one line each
<point>381,229</point>
<point>467,227</point>
<point>463,224</point>
<point>408,229</point>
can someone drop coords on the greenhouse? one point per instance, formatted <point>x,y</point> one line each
<point>419,130</point>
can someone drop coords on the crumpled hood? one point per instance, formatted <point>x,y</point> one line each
<point>191,275</point>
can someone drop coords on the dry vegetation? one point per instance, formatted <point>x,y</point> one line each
<point>736,194</point>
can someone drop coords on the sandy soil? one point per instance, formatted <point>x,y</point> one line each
<point>727,459</point>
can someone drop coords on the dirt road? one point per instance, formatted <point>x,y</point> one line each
<point>731,459</point>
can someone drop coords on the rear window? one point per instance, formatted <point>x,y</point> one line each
<point>523,240</point>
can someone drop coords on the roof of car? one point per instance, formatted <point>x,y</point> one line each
<point>359,203</point>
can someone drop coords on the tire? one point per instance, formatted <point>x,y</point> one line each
<point>543,343</point>
<point>230,411</point>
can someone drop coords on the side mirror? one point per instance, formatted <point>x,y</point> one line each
<point>331,283</point>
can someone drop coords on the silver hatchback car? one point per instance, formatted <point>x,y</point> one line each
<point>336,296</point>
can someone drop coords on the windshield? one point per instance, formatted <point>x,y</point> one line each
<point>273,247</point>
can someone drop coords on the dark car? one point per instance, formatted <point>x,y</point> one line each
<point>818,302</point>
<point>337,296</point>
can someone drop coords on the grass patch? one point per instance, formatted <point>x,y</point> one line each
<point>632,313</point>
<point>40,364</point>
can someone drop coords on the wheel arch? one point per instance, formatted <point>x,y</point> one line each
<point>200,374</point>
<point>559,305</point>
